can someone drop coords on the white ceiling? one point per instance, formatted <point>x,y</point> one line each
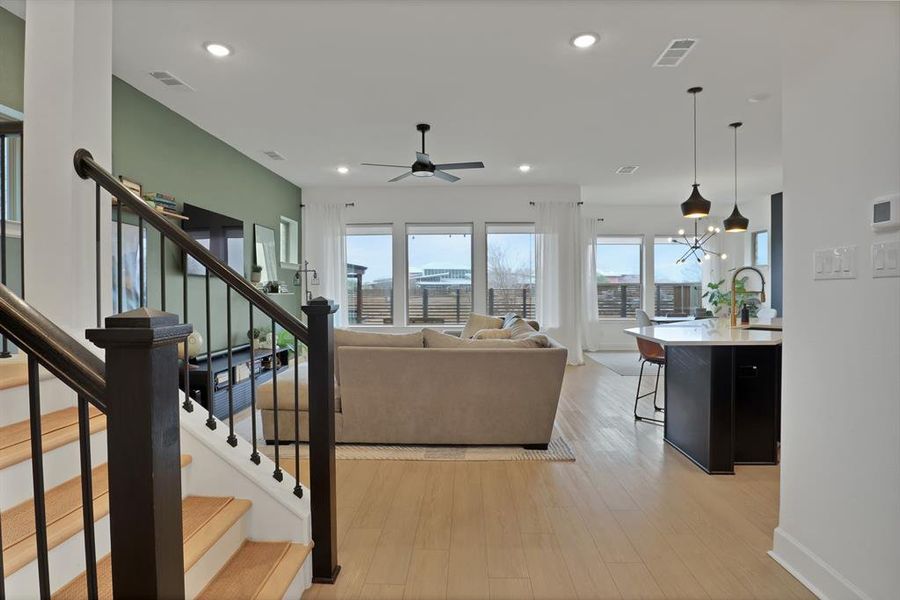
<point>342,82</point>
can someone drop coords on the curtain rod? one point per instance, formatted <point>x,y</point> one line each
<point>346,205</point>
<point>579,203</point>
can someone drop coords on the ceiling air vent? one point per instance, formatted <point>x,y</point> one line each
<point>675,53</point>
<point>627,170</point>
<point>170,80</point>
<point>273,154</point>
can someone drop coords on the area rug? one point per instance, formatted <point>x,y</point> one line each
<point>557,451</point>
<point>623,363</point>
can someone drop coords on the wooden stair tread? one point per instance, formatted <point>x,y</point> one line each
<point>205,519</point>
<point>257,571</point>
<point>58,428</point>
<point>64,517</point>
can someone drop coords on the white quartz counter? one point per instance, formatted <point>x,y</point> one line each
<point>707,332</point>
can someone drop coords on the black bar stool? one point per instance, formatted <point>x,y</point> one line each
<point>653,353</point>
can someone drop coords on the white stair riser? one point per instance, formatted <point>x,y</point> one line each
<point>215,558</point>
<point>66,560</point>
<point>302,580</point>
<point>55,395</point>
<point>60,465</point>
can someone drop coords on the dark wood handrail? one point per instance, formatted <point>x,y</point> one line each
<point>87,168</point>
<point>56,350</point>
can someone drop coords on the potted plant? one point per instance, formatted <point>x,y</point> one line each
<point>719,298</point>
<point>255,274</point>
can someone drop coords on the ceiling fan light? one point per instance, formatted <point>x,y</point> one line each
<point>422,174</point>
<point>696,206</point>
<point>736,222</point>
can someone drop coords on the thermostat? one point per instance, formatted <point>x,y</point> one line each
<point>886,213</point>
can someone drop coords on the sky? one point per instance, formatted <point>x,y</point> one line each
<point>374,252</point>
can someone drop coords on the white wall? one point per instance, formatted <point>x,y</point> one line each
<point>498,204</point>
<point>839,525</point>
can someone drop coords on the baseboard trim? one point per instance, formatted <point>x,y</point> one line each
<point>810,570</point>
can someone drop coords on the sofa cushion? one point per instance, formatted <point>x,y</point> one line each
<point>348,337</point>
<point>493,334</point>
<point>519,328</point>
<point>476,322</point>
<point>265,392</point>
<point>436,339</point>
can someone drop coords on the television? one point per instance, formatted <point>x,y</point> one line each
<point>220,234</point>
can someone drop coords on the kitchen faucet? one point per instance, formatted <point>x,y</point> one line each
<point>762,293</point>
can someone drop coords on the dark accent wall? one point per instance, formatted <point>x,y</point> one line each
<point>776,273</point>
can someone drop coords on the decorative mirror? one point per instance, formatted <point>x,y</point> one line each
<point>265,252</point>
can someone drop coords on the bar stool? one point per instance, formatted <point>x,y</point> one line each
<point>653,353</point>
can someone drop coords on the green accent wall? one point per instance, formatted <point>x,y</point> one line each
<point>12,60</point>
<point>165,152</point>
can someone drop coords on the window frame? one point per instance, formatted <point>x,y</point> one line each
<point>487,226</point>
<point>406,228</point>
<point>389,227</point>
<point>666,239</point>
<point>641,258</point>
<point>293,226</point>
<point>754,241</point>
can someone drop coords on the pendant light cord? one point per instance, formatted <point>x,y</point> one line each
<point>695,138</point>
<point>735,167</point>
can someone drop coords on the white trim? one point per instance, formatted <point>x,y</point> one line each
<point>810,570</point>
<point>11,113</point>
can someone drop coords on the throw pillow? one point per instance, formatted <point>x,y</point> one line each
<point>477,322</point>
<point>493,334</point>
<point>436,339</point>
<point>519,328</point>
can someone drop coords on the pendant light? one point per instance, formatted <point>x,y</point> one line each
<point>696,206</point>
<point>736,222</point>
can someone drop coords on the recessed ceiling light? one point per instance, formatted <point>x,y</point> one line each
<point>343,170</point>
<point>584,40</point>
<point>524,168</point>
<point>217,50</point>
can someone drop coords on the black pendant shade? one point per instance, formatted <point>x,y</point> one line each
<point>696,206</point>
<point>736,222</point>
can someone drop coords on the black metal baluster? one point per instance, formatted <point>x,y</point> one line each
<point>254,456</point>
<point>37,476</point>
<point>120,295</point>
<point>298,489</point>
<point>2,579</point>
<point>277,474</point>
<point>187,405</point>
<point>141,260</point>
<point>210,392</point>
<point>162,271</point>
<point>87,497</point>
<point>4,346</point>
<point>232,439</point>
<point>97,275</point>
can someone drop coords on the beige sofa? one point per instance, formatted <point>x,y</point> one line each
<point>391,389</point>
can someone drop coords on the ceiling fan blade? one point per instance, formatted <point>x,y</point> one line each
<point>423,157</point>
<point>399,177</point>
<point>383,165</point>
<point>463,165</point>
<point>445,176</point>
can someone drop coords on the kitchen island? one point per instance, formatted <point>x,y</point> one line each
<point>722,391</point>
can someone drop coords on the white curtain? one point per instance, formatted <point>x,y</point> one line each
<point>328,254</point>
<point>558,281</point>
<point>590,320</point>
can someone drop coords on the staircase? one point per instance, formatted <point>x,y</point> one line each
<point>223,558</point>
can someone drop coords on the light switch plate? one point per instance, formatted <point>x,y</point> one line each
<point>835,263</point>
<point>886,259</point>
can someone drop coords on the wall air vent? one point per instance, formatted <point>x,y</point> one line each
<point>627,170</point>
<point>273,154</point>
<point>675,53</point>
<point>170,80</point>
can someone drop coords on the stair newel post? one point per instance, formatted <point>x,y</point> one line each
<point>143,439</point>
<point>320,321</point>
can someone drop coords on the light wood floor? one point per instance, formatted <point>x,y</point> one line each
<point>631,518</point>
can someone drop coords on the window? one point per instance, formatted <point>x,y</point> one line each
<point>370,276</point>
<point>12,172</point>
<point>760,248</point>
<point>618,276</point>
<point>439,266</point>
<point>510,269</point>
<point>289,243</point>
<point>677,286</point>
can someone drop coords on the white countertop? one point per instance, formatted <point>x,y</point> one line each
<point>708,332</point>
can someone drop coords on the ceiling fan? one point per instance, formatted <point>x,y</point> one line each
<point>423,167</point>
